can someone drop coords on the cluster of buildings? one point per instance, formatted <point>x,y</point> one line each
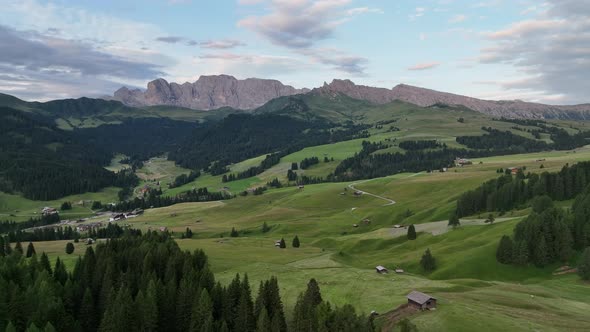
<point>125,215</point>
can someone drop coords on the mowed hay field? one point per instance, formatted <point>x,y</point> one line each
<point>474,291</point>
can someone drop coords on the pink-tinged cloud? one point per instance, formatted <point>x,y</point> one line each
<point>424,66</point>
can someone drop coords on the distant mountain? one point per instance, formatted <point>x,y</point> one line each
<point>426,97</point>
<point>207,93</point>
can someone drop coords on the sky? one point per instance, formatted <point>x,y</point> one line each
<point>492,49</point>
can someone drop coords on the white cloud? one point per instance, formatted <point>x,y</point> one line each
<point>457,18</point>
<point>424,66</point>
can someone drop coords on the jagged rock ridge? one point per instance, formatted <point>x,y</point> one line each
<point>426,97</point>
<point>208,92</point>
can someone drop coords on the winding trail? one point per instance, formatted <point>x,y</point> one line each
<point>351,186</point>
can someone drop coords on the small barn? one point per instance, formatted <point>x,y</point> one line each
<point>381,269</point>
<point>399,271</point>
<point>421,301</point>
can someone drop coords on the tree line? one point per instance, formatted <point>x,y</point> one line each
<point>183,179</point>
<point>508,192</point>
<point>155,200</point>
<point>146,283</point>
<point>421,145</point>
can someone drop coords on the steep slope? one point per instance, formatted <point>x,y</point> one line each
<point>207,93</point>
<point>426,97</point>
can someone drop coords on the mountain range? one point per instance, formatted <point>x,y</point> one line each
<point>216,91</point>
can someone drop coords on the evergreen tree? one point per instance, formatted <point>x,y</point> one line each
<point>313,294</point>
<point>454,220</point>
<point>584,265</point>
<point>296,242</point>
<point>18,248</point>
<point>294,166</point>
<point>521,253</point>
<point>30,250</point>
<point>202,313</point>
<point>265,227</point>
<point>263,322</point>
<point>406,326</point>
<point>504,251</point>
<point>282,244</point>
<point>10,327</point>
<point>7,247</point>
<point>2,252</point>
<point>45,263</point>
<point>490,219</point>
<point>33,328</point>
<point>541,203</point>
<point>148,308</point>
<point>69,248</point>
<point>412,232</point>
<point>428,262</point>
<point>541,255</point>
<point>87,314</point>
<point>49,328</point>
<point>59,273</point>
<point>234,232</point>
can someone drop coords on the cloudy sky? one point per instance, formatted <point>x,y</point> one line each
<point>493,49</point>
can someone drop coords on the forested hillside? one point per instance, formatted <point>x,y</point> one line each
<point>146,283</point>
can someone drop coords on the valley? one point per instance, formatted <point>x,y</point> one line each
<point>347,223</point>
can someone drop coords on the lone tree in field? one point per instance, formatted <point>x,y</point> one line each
<point>234,232</point>
<point>30,250</point>
<point>283,245</point>
<point>296,242</point>
<point>66,206</point>
<point>584,266</point>
<point>412,232</point>
<point>69,248</point>
<point>490,219</point>
<point>428,262</point>
<point>265,227</point>
<point>454,220</point>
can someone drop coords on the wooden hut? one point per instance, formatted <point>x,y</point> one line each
<point>421,301</point>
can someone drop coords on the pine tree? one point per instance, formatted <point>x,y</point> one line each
<point>33,328</point>
<point>49,328</point>
<point>263,322</point>
<point>541,253</point>
<point>234,232</point>
<point>412,232</point>
<point>7,247</point>
<point>428,262</point>
<point>454,220</point>
<point>69,248</point>
<point>283,244</point>
<point>406,326</point>
<point>10,327</point>
<point>584,265</point>
<point>2,252</point>
<point>18,248</point>
<point>294,166</point>
<point>313,293</point>
<point>202,312</point>
<point>296,242</point>
<point>265,227</point>
<point>59,273</point>
<point>521,253</point>
<point>504,251</point>
<point>87,315</point>
<point>490,219</point>
<point>148,308</point>
<point>45,263</point>
<point>30,250</point>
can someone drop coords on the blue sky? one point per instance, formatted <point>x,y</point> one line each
<point>492,49</point>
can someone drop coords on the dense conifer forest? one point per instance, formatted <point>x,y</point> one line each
<point>146,283</point>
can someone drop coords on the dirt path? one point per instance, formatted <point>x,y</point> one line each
<point>389,201</point>
<point>441,227</point>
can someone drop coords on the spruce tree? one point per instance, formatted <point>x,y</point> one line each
<point>2,252</point>
<point>412,232</point>
<point>234,232</point>
<point>504,251</point>
<point>59,273</point>
<point>263,322</point>
<point>87,314</point>
<point>454,220</point>
<point>313,294</point>
<point>584,265</point>
<point>428,262</point>
<point>30,250</point>
<point>282,244</point>
<point>10,327</point>
<point>202,313</point>
<point>521,253</point>
<point>45,263</point>
<point>148,308</point>
<point>7,247</point>
<point>265,227</point>
<point>296,242</point>
<point>18,248</point>
<point>541,253</point>
<point>49,328</point>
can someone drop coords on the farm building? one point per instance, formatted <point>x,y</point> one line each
<point>399,271</point>
<point>514,170</point>
<point>381,269</point>
<point>47,211</point>
<point>358,193</point>
<point>462,162</point>
<point>421,301</point>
